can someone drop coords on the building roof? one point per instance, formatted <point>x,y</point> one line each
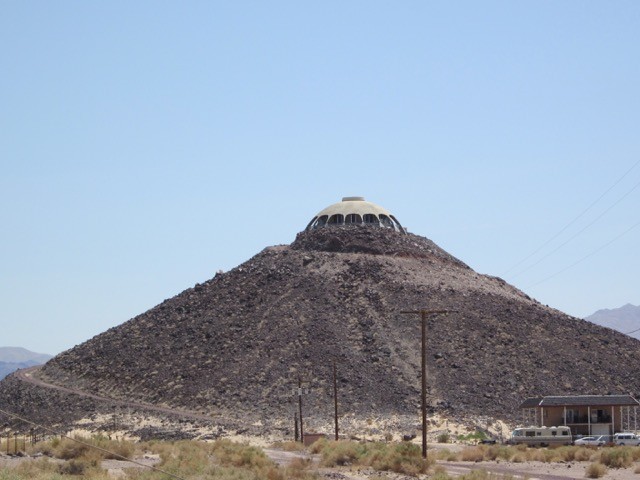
<point>355,211</point>
<point>581,401</point>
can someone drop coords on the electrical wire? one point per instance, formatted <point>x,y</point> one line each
<point>586,256</point>
<point>563,229</point>
<point>89,445</point>
<point>578,233</point>
<point>633,331</point>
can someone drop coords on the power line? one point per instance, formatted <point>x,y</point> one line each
<point>578,233</point>
<point>562,230</point>
<point>88,444</point>
<point>633,331</point>
<point>586,256</point>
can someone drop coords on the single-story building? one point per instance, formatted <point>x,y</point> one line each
<point>584,414</point>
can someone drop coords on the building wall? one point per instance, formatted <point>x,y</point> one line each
<point>553,417</point>
<point>579,420</point>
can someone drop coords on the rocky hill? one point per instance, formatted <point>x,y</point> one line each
<point>234,347</point>
<point>625,319</point>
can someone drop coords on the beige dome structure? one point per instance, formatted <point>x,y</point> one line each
<point>355,211</point>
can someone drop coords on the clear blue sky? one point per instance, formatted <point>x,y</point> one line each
<point>146,145</point>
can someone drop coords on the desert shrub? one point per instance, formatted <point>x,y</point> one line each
<point>452,457</point>
<point>318,446</point>
<point>73,467</point>
<point>582,454</point>
<point>565,454</point>
<point>341,453</point>
<point>519,458</point>
<point>552,455</point>
<point>477,435</point>
<point>9,475</point>
<point>298,468</point>
<point>185,458</point>
<point>501,452</point>
<point>30,470</point>
<point>617,457</point>
<point>82,448</point>
<point>439,473</point>
<point>118,449</point>
<point>395,457</point>
<point>595,470</point>
<point>68,449</point>
<point>222,460</point>
<point>536,455</point>
<point>400,458</point>
<point>229,453</point>
<point>475,454</point>
<point>637,470</point>
<point>289,446</point>
<point>444,437</point>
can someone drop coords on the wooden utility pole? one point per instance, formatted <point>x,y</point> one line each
<point>335,399</point>
<point>423,315</point>
<point>300,409</point>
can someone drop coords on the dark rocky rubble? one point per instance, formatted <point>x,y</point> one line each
<point>234,346</point>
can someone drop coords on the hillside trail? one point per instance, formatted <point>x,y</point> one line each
<point>27,375</point>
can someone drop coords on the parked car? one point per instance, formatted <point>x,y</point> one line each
<point>626,438</point>
<point>593,441</point>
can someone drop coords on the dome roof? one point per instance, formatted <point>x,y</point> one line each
<point>355,211</point>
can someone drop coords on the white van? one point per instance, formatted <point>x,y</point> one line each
<point>542,436</point>
<point>626,438</point>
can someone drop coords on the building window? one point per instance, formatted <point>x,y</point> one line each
<point>386,221</point>
<point>336,219</point>
<point>370,218</point>
<point>572,416</point>
<point>353,218</point>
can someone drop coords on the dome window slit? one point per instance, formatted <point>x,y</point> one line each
<point>370,219</point>
<point>336,219</point>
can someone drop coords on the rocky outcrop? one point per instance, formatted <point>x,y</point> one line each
<point>235,346</point>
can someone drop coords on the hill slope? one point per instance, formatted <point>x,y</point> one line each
<point>235,346</point>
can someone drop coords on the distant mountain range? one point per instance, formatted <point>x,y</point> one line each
<point>625,319</point>
<point>13,358</point>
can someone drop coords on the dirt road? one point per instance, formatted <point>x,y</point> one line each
<point>28,375</point>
